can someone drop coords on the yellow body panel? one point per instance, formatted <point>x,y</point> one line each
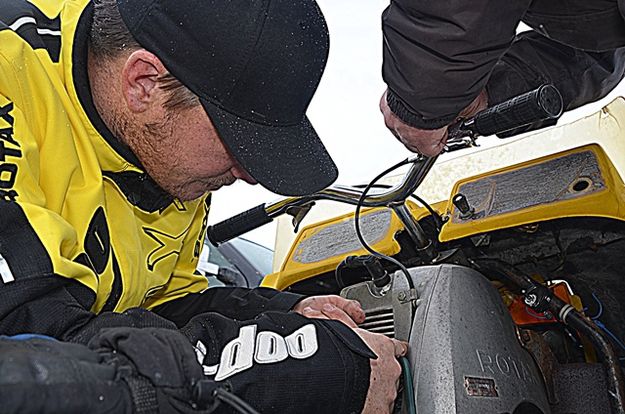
<point>295,269</point>
<point>607,202</point>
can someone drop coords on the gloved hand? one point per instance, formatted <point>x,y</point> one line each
<point>48,376</point>
<point>159,366</point>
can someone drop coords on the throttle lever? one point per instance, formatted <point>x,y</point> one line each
<point>540,104</point>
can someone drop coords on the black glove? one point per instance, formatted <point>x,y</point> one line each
<point>284,363</point>
<point>49,376</point>
<point>159,366</point>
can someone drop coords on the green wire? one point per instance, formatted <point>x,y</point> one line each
<point>408,386</point>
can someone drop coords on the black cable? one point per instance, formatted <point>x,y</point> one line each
<point>338,272</point>
<point>568,315</point>
<point>234,401</point>
<point>438,220</point>
<point>362,240</point>
<point>408,387</point>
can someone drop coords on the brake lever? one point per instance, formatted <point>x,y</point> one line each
<point>461,135</point>
<point>299,213</point>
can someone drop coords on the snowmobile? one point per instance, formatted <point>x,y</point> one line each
<point>505,278</point>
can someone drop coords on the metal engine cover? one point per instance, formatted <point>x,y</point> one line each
<point>464,352</point>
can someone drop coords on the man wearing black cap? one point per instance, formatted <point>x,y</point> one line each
<point>117,117</point>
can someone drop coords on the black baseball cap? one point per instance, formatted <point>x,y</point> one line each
<point>255,65</point>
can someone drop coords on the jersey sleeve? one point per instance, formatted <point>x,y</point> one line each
<point>283,362</point>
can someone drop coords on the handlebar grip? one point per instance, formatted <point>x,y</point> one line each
<point>237,225</point>
<point>540,104</point>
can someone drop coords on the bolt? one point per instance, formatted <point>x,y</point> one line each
<point>401,296</point>
<point>531,299</point>
<point>463,206</point>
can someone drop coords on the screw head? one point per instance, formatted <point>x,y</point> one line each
<point>531,299</point>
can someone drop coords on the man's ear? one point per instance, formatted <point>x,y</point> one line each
<point>139,80</point>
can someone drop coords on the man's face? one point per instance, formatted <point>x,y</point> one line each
<point>185,156</point>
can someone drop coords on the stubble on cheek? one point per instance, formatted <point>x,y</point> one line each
<point>194,189</point>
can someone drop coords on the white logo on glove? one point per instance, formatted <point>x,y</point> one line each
<point>266,347</point>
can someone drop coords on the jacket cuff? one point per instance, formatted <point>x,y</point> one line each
<point>283,301</point>
<point>403,112</point>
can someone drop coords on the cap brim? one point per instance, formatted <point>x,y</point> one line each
<point>290,161</point>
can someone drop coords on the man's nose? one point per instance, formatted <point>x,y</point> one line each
<point>240,173</point>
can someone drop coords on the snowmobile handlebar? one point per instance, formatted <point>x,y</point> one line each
<point>540,104</point>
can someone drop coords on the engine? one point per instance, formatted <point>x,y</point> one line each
<point>466,353</point>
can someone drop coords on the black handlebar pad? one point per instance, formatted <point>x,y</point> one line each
<point>237,225</point>
<point>540,104</point>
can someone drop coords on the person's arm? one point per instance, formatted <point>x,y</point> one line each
<point>438,55</point>
<point>237,303</point>
<point>284,362</point>
<point>121,371</point>
<point>59,307</point>
<point>533,60</point>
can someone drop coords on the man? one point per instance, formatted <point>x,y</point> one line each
<point>444,59</point>
<point>116,119</point>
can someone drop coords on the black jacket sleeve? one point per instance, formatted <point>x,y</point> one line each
<point>533,59</point>
<point>284,363</point>
<point>59,307</point>
<point>438,55</point>
<point>122,373</point>
<point>49,376</point>
<point>235,303</point>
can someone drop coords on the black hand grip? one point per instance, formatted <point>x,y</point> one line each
<point>237,225</point>
<point>541,104</point>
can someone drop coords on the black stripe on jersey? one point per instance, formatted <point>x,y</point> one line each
<point>19,244</point>
<point>37,29</point>
<point>116,289</point>
<point>141,190</point>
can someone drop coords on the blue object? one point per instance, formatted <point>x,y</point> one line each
<point>27,337</point>
<point>602,326</point>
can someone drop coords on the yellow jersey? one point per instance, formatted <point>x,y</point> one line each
<point>75,203</point>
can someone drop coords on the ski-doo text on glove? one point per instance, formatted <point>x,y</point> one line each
<point>284,363</point>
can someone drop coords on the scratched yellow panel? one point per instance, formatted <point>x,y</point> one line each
<point>595,190</point>
<point>320,247</point>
